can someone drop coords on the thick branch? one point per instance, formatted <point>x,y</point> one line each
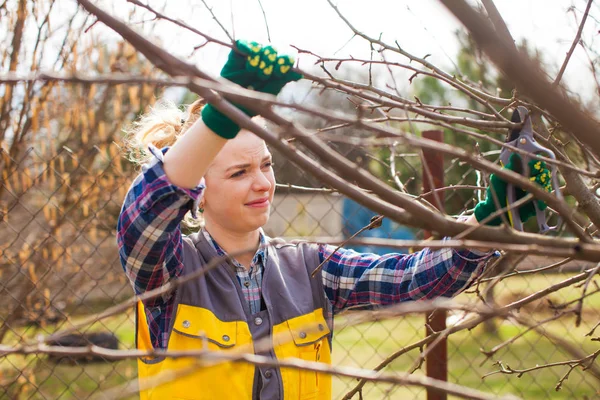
<point>527,76</point>
<point>498,21</point>
<point>447,226</point>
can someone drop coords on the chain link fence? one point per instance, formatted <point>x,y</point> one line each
<point>474,353</point>
<point>60,266</point>
<point>64,175</point>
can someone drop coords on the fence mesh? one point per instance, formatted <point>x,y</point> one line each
<point>60,265</point>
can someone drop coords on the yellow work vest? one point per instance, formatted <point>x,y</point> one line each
<point>306,336</point>
<point>303,337</point>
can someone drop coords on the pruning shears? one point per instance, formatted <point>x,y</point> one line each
<point>522,138</point>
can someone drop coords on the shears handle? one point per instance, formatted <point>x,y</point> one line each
<point>526,142</point>
<point>512,197</point>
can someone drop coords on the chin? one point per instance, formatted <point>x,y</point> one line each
<point>252,220</point>
<point>258,222</point>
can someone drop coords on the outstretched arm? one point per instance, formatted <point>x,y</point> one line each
<point>352,278</point>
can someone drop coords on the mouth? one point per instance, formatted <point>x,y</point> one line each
<point>259,203</point>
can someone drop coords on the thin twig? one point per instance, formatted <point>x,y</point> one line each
<point>579,307</point>
<point>375,222</point>
<point>159,15</point>
<point>217,21</point>
<point>265,19</point>
<point>304,189</point>
<point>495,349</point>
<point>531,271</point>
<point>393,172</point>
<point>591,332</point>
<point>574,44</point>
<point>451,187</point>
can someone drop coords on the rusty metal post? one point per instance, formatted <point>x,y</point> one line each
<point>437,359</point>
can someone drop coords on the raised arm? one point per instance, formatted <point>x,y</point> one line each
<point>149,234</point>
<point>186,163</point>
<point>148,228</point>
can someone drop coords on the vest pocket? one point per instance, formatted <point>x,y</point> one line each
<point>203,328</point>
<point>304,337</point>
<point>309,380</point>
<point>197,328</point>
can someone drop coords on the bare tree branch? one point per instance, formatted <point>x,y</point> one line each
<point>217,21</point>
<point>574,44</point>
<point>426,218</point>
<point>527,76</point>
<point>208,356</point>
<point>498,21</point>
<point>265,19</point>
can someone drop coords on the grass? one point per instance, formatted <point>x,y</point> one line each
<point>377,341</point>
<point>363,346</point>
<point>42,379</point>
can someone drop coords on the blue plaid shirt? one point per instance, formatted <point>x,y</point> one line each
<point>150,248</point>
<point>250,279</point>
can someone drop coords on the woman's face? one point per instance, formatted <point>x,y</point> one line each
<point>240,185</point>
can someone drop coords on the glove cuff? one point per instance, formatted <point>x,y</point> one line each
<point>219,123</point>
<point>483,210</point>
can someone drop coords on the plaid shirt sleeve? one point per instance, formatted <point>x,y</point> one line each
<point>148,232</point>
<point>352,278</point>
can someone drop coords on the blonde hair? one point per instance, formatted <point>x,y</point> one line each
<point>161,127</point>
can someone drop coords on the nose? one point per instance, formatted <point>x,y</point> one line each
<point>261,183</point>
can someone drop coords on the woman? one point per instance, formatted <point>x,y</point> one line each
<point>263,300</point>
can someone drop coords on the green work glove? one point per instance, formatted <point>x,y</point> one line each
<point>539,173</point>
<point>257,68</point>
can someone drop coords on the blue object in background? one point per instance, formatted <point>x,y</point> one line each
<point>356,216</point>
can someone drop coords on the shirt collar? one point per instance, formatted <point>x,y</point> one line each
<point>260,257</point>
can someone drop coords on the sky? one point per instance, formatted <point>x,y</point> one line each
<point>420,26</point>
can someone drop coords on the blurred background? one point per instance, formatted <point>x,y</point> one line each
<point>64,175</point>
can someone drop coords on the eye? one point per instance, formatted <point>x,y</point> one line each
<point>268,164</point>
<point>238,174</point>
